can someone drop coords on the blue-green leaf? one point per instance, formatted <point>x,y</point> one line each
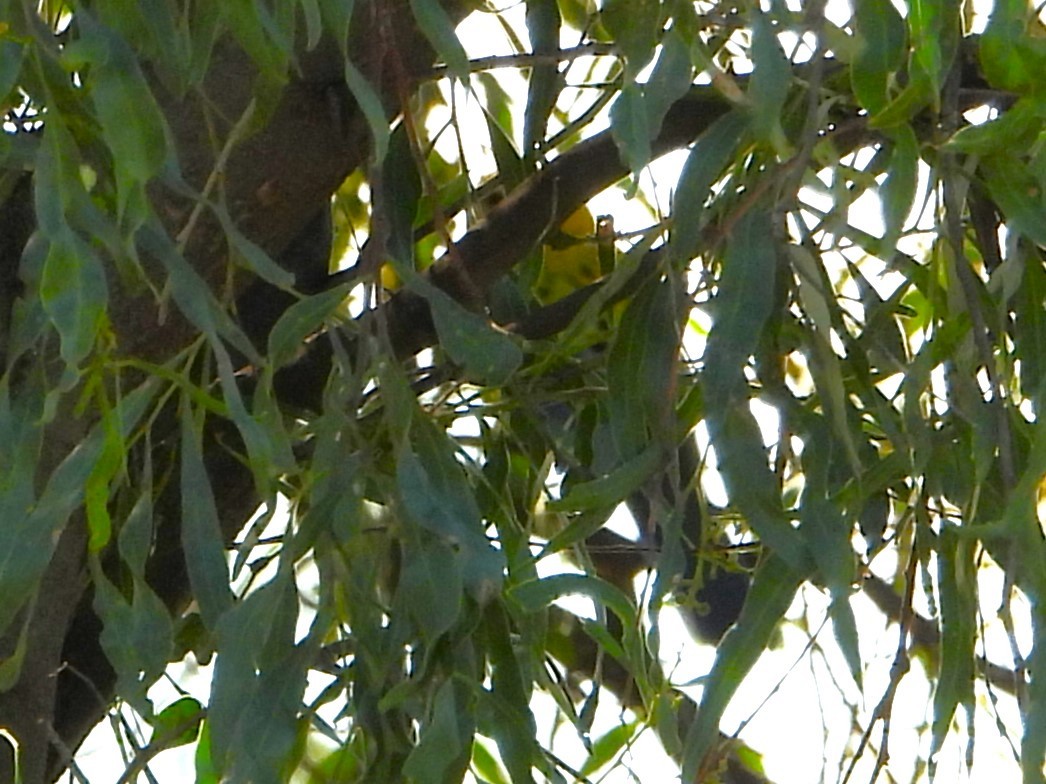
<point>713,152</point>
<point>957,579</point>
<point>543,21</point>
<point>642,368</point>
<point>438,28</point>
<point>445,745</point>
<point>74,294</point>
<point>768,88</point>
<point>428,563</point>
<point>300,320</point>
<point>436,496</point>
<point>370,103</point>
<point>259,680</point>
<point>634,26</point>
<point>201,529</point>
<point>772,591</point>
<point>898,192</point>
<point>487,354</point>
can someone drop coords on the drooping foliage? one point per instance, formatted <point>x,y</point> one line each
<point>335,333</point>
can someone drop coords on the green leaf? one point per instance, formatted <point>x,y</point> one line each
<point>313,22</point>
<point>428,562</point>
<point>1018,195</point>
<point>769,597</point>
<point>11,56</point>
<point>32,526</point>
<point>511,170</point>
<point>487,767</point>
<point>438,28</point>
<point>543,22</point>
<point>1030,333</point>
<point>192,295</point>
<point>635,26</point>
<point>301,320</point>
<point>137,636</point>
<point>132,125</point>
<point>201,529</point>
<point>1014,129</point>
<point>402,189</point>
<point>370,104</point>
<point>631,127</point>
<point>504,711</point>
<point>957,581</point>
<point>178,724</point>
<point>11,664</point>
<point>535,595</point>
<point>637,115</point>
<point>487,354</point>
<point>436,496</point>
<point>744,302</point>
<point>255,29</point>
<point>898,191</point>
<point>713,152</point>
<point>670,80</point>
<point>771,78</point>
<point>74,294</point>
<point>254,258</point>
<point>1010,59</point>
<point>609,490</point>
<point>259,680</point>
<point>915,97</point>
<point>882,36</point>
<point>827,534</point>
<point>642,368</point>
<point>611,743</point>
<point>934,28</point>
<point>445,746</point>
<point>336,19</point>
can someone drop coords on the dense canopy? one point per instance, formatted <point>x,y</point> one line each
<point>333,335</point>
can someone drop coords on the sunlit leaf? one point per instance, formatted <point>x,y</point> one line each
<point>1011,60</point>
<point>178,723</point>
<point>606,747</point>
